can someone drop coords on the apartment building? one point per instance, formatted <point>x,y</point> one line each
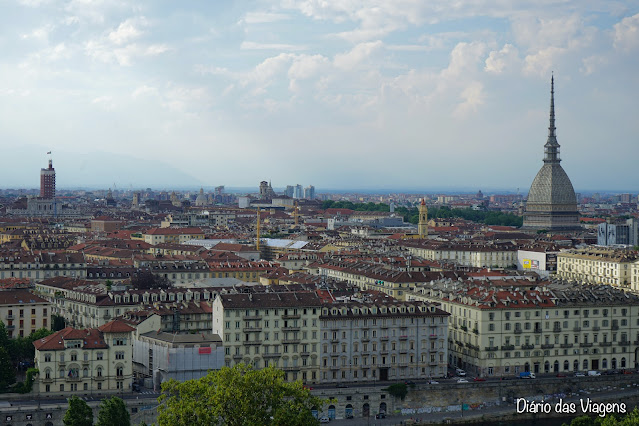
<point>23,264</point>
<point>597,265</point>
<point>372,276</point>
<point>92,361</point>
<point>23,312</point>
<point>484,255</point>
<point>172,235</point>
<point>279,329</point>
<point>379,340</point>
<point>501,328</point>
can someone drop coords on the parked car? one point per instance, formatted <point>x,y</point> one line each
<point>579,374</point>
<point>380,415</point>
<point>627,371</point>
<point>594,373</point>
<point>325,419</point>
<point>462,381</point>
<point>561,375</point>
<point>460,372</point>
<point>342,385</point>
<point>409,383</point>
<point>479,379</point>
<point>433,382</point>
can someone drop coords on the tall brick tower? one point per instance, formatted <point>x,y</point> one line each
<point>47,182</point>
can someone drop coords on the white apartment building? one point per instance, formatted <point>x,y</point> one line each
<point>279,329</point>
<point>597,265</point>
<point>22,312</point>
<point>85,362</point>
<point>367,341</point>
<point>504,328</point>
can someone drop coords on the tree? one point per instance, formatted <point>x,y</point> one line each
<point>398,390</point>
<point>148,280</point>
<point>113,412</point>
<point>7,371</point>
<point>78,414</point>
<point>237,396</point>
<point>57,322</point>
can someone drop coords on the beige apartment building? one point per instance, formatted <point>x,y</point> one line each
<point>505,328</point>
<point>485,255</point>
<point>598,265</point>
<point>92,361</point>
<point>22,312</point>
<point>279,329</point>
<point>381,340</point>
<point>14,264</point>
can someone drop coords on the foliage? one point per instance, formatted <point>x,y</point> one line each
<point>631,419</point>
<point>57,322</point>
<point>148,280</point>
<point>27,385</point>
<point>7,371</point>
<point>237,396</point>
<point>113,412</point>
<point>366,207</point>
<point>78,414</point>
<point>398,390</point>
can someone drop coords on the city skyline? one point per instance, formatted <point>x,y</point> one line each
<point>387,96</point>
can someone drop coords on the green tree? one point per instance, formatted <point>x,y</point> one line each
<point>237,396</point>
<point>78,414</point>
<point>398,390</point>
<point>7,371</point>
<point>113,412</point>
<point>57,322</point>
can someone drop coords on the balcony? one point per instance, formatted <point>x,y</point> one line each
<point>252,342</point>
<point>47,380</point>
<point>433,336</point>
<point>471,346</point>
<point>291,328</point>
<point>547,346</point>
<point>507,347</point>
<point>366,339</point>
<point>249,329</point>
<point>403,351</point>
<point>537,330</point>
<point>636,343</point>
<point>404,337</point>
<point>585,345</point>
<point>605,344</point>
<point>433,363</point>
<point>305,353</point>
<point>291,316</point>
<point>615,327</point>
<point>10,317</point>
<point>566,345</point>
<point>335,367</point>
<point>99,378</point>
<point>383,338</point>
<point>72,379</point>
<point>237,356</point>
<point>518,331</point>
<point>527,346</point>
<point>556,329</point>
<point>491,348</point>
<point>624,343</point>
<point>289,341</point>
<point>11,326</point>
<point>575,329</point>
<point>252,317</point>
<point>595,328</point>
<point>271,355</point>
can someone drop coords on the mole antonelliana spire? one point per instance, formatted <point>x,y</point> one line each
<point>552,204</point>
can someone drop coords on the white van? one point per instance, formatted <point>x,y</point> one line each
<point>460,372</point>
<point>594,373</point>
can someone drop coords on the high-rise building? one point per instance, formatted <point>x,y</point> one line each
<point>552,204</point>
<point>47,182</point>
<point>309,192</point>
<point>298,192</point>
<point>289,191</point>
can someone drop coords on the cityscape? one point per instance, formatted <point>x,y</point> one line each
<point>281,231</point>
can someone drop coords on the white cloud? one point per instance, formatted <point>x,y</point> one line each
<point>626,33</point>
<point>144,91</point>
<point>263,17</point>
<point>592,63</point>
<point>541,63</point>
<point>500,61</point>
<point>126,31</point>
<point>472,97</point>
<point>358,54</point>
<point>105,102</point>
<point>250,45</point>
<point>40,33</point>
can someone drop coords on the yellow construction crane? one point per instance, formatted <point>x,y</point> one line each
<point>258,230</point>
<point>296,213</point>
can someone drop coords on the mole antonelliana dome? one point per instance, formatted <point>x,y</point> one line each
<point>552,204</point>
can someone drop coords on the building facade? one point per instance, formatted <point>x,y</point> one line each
<point>47,182</point>
<point>23,312</point>
<point>597,265</point>
<point>85,362</point>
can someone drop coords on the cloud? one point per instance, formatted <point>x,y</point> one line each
<point>126,31</point>
<point>105,102</point>
<point>500,61</point>
<point>263,17</point>
<point>626,33</point>
<point>471,98</point>
<point>541,63</point>
<point>144,91</point>
<point>250,45</point>
<point>357,55</point>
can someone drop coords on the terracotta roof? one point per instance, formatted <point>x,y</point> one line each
<point>116,326</point>
<point>91,339</point>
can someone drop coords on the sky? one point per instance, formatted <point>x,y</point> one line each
<point>373,94</point>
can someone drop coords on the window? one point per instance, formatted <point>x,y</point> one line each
<point>99,356</point>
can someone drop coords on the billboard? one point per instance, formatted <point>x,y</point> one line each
<point>530,264</point>
<point>526,263</point>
